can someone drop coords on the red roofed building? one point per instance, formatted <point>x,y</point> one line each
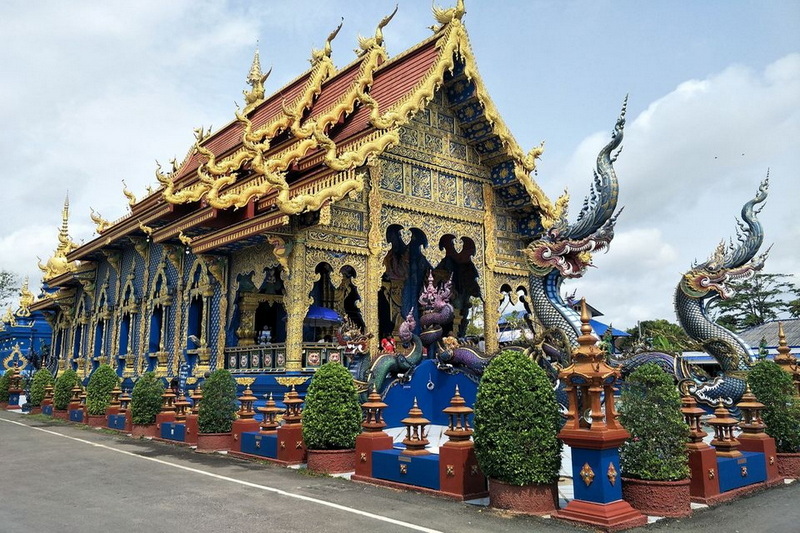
<point>341,191</point>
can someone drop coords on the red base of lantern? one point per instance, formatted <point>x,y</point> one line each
<point>459,474</point>
<point>766,445</point>
<point>238,427</point>
<point>366,443</point>
<point>291,448</point>
<point>614,516</point>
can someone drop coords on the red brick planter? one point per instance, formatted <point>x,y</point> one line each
<point>144,430</point>
<point>36,410</point>
<point>789,465</point>
<point>97,421</point>
<point>331,461</point>
<point>212,442</point>
<point>658,498</point>
<point>61,414</point>
<point>537,499</point>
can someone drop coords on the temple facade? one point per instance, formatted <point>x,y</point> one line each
<point>350,189</point>
<point>25,335</point>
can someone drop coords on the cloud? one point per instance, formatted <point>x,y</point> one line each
<point>690,162</point>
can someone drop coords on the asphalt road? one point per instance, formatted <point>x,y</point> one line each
<point>59,477</point>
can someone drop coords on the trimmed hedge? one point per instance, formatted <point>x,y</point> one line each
<point>516,422</point>
<point>774,388</point>
<point>41,379</point>
<point>5,383</point>
<point>332,413</point>
<point>650,409</point>
<point>146,398</point>
<point>218,408</point>
<point>63,389</point>
<point>98,392</point>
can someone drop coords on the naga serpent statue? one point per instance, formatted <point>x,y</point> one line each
<point>696,291</point>
<point>562,252</point>
<point>565,250</point>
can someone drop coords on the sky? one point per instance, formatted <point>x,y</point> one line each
<point>94,92</point>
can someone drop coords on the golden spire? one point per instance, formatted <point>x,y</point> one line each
<point>58,264</point>
<point>255,79</point>
<point>26,299</point>
<point>784,357</point>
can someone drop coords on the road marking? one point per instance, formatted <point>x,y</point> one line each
<point>309,499</point>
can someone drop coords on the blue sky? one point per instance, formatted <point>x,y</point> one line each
<point>94,92</point>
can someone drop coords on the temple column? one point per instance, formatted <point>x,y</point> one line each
<point>377,251</point>
<point>297,303</point>
<point>490,290</point>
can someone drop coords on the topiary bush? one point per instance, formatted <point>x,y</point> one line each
<point>332,413</point>
<point>774,388</point>
<point>650,409</point>
<point>218,408</point>
<point>98,392</point>
<point>41,379</point>
<point>62,393</point>
<point>516,422</point>
<point>146,399</point>
<point>5,383</point>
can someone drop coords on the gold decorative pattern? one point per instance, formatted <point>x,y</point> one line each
<point>291,381</point>
<point>612,474</point>
<point>245,381</point>
<point>587,474</point>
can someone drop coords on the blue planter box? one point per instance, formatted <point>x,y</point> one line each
<point>255,443</point>
<point>116,422</point>
<point>418,470</point>
<point>47,410</point>
<point>76,415</point>
<point>737,472</point>
<point>173,431</point>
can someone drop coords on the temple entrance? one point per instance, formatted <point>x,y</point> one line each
<point>405,271</point>
<point>270,315</point>
<point>458,267</point>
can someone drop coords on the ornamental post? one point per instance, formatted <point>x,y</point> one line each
<point>246,421</point>
<point>754,437</point>
<point>372,436</point>
<point>595,442</point>
<point>459,475</point>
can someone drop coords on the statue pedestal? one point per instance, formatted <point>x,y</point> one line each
<point>366,443</point>
<point>459,475</point>
<point>291,448</point>
<point>765,444</point>
<point>704,485</point>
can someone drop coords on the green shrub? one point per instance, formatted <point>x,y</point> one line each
<point>650,409</point>
<point>332,413</point>
<point>218,408</point>
<point>516,422</point>
<point>774,388</point>
<point>41,379</point>
<point>63,389</point>
<point>98,392</point>
<point>146,398</point>
<point>5,383</point>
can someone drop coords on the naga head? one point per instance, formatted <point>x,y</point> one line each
<point>568,247</point>
<point>733,261</point>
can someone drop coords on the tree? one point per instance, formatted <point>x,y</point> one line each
<point>659,334</point>
<point>756,301</point>
<point>9,286</point>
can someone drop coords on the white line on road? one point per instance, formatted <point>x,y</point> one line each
<point>238,481</point>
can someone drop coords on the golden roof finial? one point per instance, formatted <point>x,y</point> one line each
<point>102,224</point>
<point>26,299</point>
<point>319,55</point>
<point>587,350</point>
<point>784,357</point>
<point>128,194</point>
<point>58,263</point>
<point>255,79</point>
<point>446,16</point>
<point>367,43</point>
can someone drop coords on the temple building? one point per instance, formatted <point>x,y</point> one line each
<point>349,190</point>
<point>24,335</point>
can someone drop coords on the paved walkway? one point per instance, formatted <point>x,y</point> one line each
<point>68,478</point>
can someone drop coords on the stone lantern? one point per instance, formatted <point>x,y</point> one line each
<point>181,406</point>
<point>167,414</point>
<point>269,412</point>
<point>372,437</point>
<point>246,421</point>
<point>291,448</point>
<point>754,437</point>
<point>704,479</point>
<point>459,475</point>
<point>124,402</point>
<point>724,442</point>
<point>113,404</point>
<point>595,442</point>
<point>416,437</point>
<point>192,428</point>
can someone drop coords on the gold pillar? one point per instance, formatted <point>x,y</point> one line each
<point>248,304</point>
<point>377,251</point>
<point>297,304</point>
<point>490,307</point>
